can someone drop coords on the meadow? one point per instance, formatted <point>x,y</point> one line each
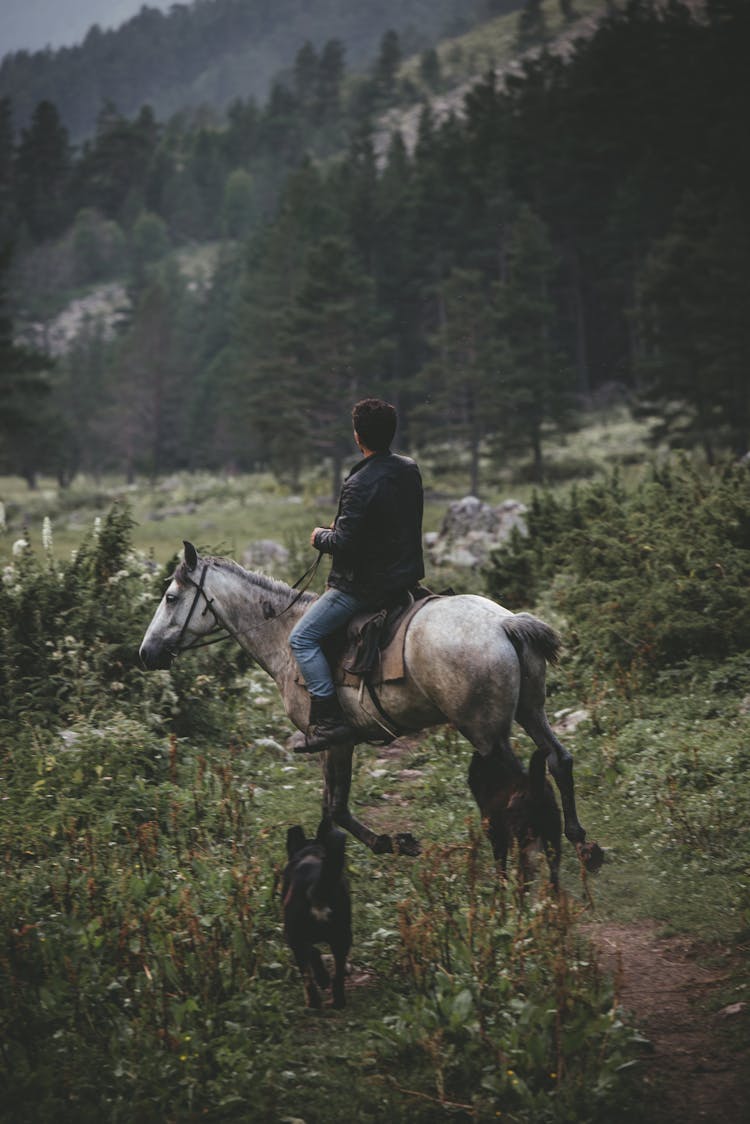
<point>143,973</point>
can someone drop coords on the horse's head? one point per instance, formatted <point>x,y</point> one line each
<point>183,615</point>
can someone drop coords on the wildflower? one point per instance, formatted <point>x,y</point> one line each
<point>118,577</point>
<point>19,546</point>
<point>3,524</point>
<point>97,527</point>
<point>47,533</point>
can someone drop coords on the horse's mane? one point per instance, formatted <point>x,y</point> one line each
<point>251,577</point>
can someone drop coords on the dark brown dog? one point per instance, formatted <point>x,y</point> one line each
<point>317,908</point>
<point>520,807</point>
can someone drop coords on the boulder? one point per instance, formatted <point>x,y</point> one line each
<point>471,529</point>
<point>265,554</point>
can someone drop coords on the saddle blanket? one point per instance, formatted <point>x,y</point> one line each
<point>372,646</point>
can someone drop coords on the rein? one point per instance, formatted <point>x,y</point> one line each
<point>205,642</point>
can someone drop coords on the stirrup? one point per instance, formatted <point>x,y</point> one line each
<point>315,743</point>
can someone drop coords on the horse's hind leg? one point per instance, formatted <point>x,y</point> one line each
<point>560,761</point>
<point>337,774</point>
<point>486,781</point>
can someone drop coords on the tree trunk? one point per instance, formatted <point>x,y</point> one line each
<point>536,449</point>
<point>579,319</point>
<point>474,466</point>
<point>336,476</point>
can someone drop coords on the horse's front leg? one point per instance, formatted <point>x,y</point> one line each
<point>337,783</point>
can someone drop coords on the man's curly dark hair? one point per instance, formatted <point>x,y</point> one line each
<point>375,421</point>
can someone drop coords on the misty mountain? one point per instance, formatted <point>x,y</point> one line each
<point>32,25</point>
<point>213,51</point>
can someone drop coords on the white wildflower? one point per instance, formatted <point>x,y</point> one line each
<point>47,533</point>
<point>118,577</point>
<point>97,527</point>
<point>3,524</point>
<point>19,546</point>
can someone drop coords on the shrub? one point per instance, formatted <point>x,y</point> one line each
<point>70,634</point>
<point>510,1014</point>
<point>647,578</point>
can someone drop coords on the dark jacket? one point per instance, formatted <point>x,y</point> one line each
<point>376,540</point>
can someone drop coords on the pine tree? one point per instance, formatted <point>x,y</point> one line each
<point>694,329</point>
<point>306,66</point>
<point>8,214</point>
<point>533,381</point>
<point>387,65</point>
<point>114,170</point>
<point>331,69</point>
<point>25,420</point>
<point>42,174</point>
<point>333,343</point>
<point>147,422</point>
<point>460,383</point>
<point>258,412</point>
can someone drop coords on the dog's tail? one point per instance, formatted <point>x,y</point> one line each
<point>295,840</point>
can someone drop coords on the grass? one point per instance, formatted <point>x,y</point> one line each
<point>139,875</point>
<point>228,512</point>
<point>142,968</point>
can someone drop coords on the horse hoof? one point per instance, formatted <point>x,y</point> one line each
<point>406,844</point>
<point>383,845</point>
<point>591,855</point>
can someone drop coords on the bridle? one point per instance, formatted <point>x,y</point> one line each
<point>219,626</point>
<point>208,638</point>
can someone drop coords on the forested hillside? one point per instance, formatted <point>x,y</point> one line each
<point>581,230</point>
<point>209,52</point>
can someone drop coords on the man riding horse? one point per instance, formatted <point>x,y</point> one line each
<point>376,547</point>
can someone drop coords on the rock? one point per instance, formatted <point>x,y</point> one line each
<point>265,554</point>
<point>731,1010</point>
<point>567,721</point>
<point>471,530</point>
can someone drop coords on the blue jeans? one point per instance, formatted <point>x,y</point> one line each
<point>332,610</point>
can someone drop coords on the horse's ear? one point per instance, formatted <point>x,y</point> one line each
<point>191,555</point>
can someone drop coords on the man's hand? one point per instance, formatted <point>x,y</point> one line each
<point>312,536</point>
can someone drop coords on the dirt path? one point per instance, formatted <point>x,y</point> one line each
<point>693,1070</point>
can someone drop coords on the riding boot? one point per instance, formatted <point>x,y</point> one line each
<point>327,725</point>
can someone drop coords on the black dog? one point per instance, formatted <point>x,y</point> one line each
<point>317,908</point>
<point>520,807</point>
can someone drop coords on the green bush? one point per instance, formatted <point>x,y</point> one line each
<point>70,633</point>
<point>508,1012</point>
<point>649,578</point>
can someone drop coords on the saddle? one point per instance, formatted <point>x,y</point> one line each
<point>369,650</point>
<point>371,646</point>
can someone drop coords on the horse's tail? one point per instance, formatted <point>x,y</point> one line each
<point>524,630</point>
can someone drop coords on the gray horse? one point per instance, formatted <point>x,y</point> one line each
<point>467,661</point>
